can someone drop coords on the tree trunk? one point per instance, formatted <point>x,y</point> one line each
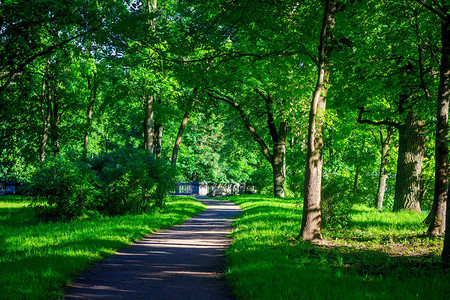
<point>446,250</point>
<point>279,162</point>
<point>412,147</point>
<point>158,139</point>
<point>311,222</point>
<point>148,123</point>
<point>176,147</point>
<point>439,210</point>
<point>92,98</point>
<point>54,127</point>
<point>382,177</point>
<point>45,116</point>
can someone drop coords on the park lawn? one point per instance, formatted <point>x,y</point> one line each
<point>38,259</point>
<point>381,256</point>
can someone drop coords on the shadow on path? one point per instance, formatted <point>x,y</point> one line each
<point>184,262</point>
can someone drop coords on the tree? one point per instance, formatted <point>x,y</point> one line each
<point>384,142</point>
<point>440,208</point>
<point>276,158</point>
<point>438,212</point>
<point>35,29</point>
<point>393,84</point>
<point>182,127</point>
<point>311,221</point>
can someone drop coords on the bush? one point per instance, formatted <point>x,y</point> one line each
<point>336,203</point>
<point>133,180</point>
<point>124,181</point>
<point>63,189</point>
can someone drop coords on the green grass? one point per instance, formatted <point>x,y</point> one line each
<point>38,259</point>
<point>381,256</point>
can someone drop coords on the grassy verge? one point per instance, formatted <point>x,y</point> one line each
<point>38,259</point>
<point>382,256</point>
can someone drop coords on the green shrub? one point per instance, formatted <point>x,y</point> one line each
<point>336,203</point>
<point>123,181</point>
<point>132,180</point>
<point>64,189</point>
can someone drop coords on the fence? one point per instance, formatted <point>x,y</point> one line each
<point>212,189</point>
<point>10,188</point>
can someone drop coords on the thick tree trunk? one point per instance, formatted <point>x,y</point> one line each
<point>311,222</point>
<point>446,251</point>
<point>412,147</point>
<point>382,177</point>
<point>438,219</point>
<point>176,147</point>
<point>148,123</point>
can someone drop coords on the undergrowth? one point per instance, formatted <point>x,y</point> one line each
<point>379,256</point>
<point>38,259</point>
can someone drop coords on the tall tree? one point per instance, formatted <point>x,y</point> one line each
<point>311,222</point>
<point>437,219</point>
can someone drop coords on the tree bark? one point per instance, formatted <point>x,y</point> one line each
<point>311,222</point>
<point>446,250</point>
<point>176,146</point>
<point>54,124</point>
<point>439,210</point>
<point>148,123</point>
<point>382,177</point>
<point>45,116</point>
<point>149,100</point>
<point>158,139</point>
<point>279,162</point>
<point>412,147</point>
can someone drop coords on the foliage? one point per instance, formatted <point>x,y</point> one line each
<point>64,188</point>
<point>132,180</point>
<point>37,260</point>
<point>123,181</point>
<point>336,203</point>
<point>381,256</point>
<point>61,60</point>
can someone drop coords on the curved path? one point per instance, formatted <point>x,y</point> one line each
<point>184,262</point>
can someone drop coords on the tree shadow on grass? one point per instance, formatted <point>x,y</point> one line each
<point>16,216</point>
<point>305,271</point>
<point>267,261</point>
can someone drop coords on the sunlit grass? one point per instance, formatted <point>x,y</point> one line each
<point>381,256</point>
<point>38,259</point>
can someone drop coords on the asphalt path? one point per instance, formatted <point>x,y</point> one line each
<point>184,262</point>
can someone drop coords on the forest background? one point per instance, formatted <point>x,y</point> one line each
<point>235,91</point>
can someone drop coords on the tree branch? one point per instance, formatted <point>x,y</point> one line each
<point>232,102</point>
<point>49,50</point>
<point>441,14</point>
<point>376,123</point>
<point>270,120</point>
